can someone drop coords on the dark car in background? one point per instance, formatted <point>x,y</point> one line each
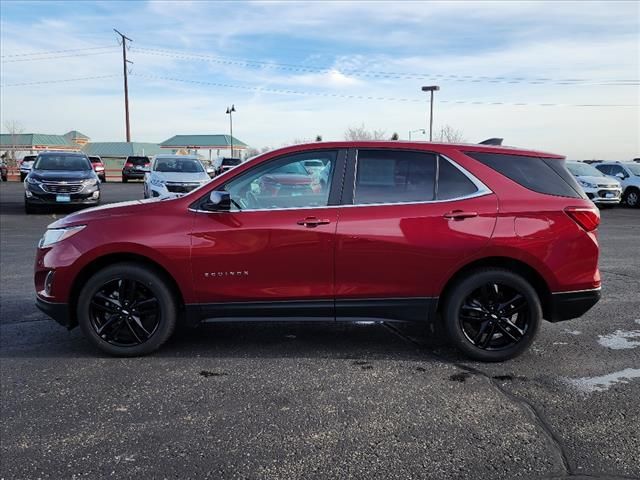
<point>135,167</point>
<point>25,166</point>
<point>223,164</point>
<point>61,178</point>
<point>98,167</point>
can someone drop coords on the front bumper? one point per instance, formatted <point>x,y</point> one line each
<point>58,311</point>
<point>568,305</point>
<point>82,198</point>
<point>604,196</point>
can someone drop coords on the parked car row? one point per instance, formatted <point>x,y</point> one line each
<point>608,183</point>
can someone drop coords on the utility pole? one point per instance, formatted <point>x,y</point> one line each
<point>124,39</point>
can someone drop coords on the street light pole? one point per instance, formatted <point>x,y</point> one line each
<point>230,111</point>
<point>431,89</point>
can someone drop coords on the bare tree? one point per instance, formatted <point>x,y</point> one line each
<point>448,134</point>
<point>361,133</point>
<point>14,129</point>
<point>252,152</point>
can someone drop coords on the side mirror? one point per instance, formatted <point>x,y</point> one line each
<point>621,175</point>
<point>211,172</point>
<point>218,201</point>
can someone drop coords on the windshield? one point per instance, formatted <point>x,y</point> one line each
<point>635,169</point>
<point>62,162</point>
<point>178,165</point>
<point>230,162</point>
<point>29,158</point>
<point>584,170</point>
<point>95,160</point>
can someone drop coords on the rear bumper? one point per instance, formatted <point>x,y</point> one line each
<point>568,305</point>
<point>58,311</point>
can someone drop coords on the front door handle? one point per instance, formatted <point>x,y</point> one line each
<point>312,222</point>
<point>459,215</point>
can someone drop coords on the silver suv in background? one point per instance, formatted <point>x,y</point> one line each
<point>26,165</point>
<point>628,174</point>
<point>600,189</point>
<point>174,174</point>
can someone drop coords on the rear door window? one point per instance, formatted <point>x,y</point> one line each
<point>543,175</point>
<point>393,176</point>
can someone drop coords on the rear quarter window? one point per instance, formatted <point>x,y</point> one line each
<point>543,175</point>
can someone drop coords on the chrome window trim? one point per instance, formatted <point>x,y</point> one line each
<point>578,291</point>
<point>481,192</point>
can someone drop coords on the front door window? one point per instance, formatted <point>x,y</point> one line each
<point>294,181</point>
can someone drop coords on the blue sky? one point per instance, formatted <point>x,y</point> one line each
<point>329,52</point>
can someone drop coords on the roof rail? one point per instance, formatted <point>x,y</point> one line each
<point>492,141</point>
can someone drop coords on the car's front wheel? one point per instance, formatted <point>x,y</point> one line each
<point>492,314</point>
<point>127,309</point>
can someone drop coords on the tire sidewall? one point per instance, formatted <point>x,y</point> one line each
<point>154,282</point>
<point>464,287</point>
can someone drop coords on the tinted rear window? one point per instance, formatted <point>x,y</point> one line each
<point>230,162</point>
<point>95,160</point>
<point>138,160</point>
<point>543,175</point>
<point>29,158</point>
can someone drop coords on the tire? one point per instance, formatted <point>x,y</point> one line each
<point>4,178</point>
<point>467,295</point>
<point>124,179</point>
<point>103,179</point>
<point>29,209</point>
<point>632,197</point>
<point>106,310</point>
<point>22,177</point>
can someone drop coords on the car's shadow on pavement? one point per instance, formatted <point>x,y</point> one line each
<point>246,340</point>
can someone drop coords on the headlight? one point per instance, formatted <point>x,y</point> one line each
<point>158,182</point>
<point>587,184</point>
<point>33,181</point>
<point>90,182</point>
<point>56,235</point>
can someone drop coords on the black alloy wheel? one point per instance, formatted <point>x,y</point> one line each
<point>127,309</point>
<point>494,317</point>
<point>492,314</point>
<point>124,312</point>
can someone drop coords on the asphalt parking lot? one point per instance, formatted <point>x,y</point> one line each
<point>288,401</point>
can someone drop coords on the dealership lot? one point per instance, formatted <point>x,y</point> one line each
<point>299,401</point>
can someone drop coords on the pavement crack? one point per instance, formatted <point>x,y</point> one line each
<point>552,439</point>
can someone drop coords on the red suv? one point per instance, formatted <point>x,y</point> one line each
<point>489,240</point>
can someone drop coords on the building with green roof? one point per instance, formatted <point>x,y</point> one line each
<point>77,137</point>
<point>35,142</point>
<point>205,142</point>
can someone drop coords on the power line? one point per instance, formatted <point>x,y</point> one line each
<point>373,97</point>
<point>56,56</point>
<point>56,51</point>
<point>381,74</point>
<point>64,80</point>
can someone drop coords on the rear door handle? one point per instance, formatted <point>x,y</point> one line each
<point>459,215</point>
<point>312,222</point>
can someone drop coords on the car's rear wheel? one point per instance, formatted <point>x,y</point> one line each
<point>22,176</point>
<point>124,179</point>
<point>127,309</point>
<point>492,315</point>
<point>632,197</point>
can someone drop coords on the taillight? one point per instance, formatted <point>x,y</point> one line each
<point>587,217</point>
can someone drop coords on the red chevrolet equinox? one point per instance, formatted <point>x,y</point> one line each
<point>488,240</point>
